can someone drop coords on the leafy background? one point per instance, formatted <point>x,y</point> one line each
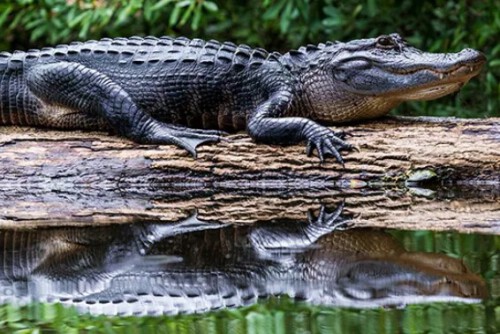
<point>439,26</point>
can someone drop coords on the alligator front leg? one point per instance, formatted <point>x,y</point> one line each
<point>87,92</point>
<point>273,239</point>
<point>148,234</point>
<point>266,126</point>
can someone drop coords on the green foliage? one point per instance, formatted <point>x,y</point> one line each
<point>276,315</point>
<point>442,25</point>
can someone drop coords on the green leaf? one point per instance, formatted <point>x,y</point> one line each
<point>286,17</point>
<point>147,12</point>
<point>35,23</point>
<point>196,18</point>
<point>333,22</point>
<point>210,6</point>
<point>106,15</point>
<point>174,16</point>
<point>85,29</point>
<point>160,4</point>
<point>357,10</point>
<point>5,12</point>
<point>187,14</point>
<point>303,8</point>
<point>185,3</point>
<point>124,15</point>
<point>77,19</point>
<point>17,19</point>
<point>494,63</point>
<point>331,11</point>
<point>272,12</point>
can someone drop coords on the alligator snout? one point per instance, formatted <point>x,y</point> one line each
<point>472,57</point>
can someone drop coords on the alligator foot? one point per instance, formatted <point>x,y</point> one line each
<point>188,225</point>
<point>273,242</point>
<point>330,220</point>
<point>186,138</point>
<point>151,233</point>
<point>327,143</point>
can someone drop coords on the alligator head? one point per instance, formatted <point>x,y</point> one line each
<point>366,78</point>
<point>408,278</point>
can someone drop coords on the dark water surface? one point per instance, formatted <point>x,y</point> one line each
<point>315,276</point>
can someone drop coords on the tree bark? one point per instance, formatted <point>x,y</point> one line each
<point>405,175</point>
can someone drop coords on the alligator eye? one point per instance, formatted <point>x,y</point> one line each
<point>385,42</point>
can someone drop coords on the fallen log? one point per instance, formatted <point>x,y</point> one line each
<point>372,208</point>
<point>53,177</point>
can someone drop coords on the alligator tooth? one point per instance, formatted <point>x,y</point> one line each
<point>441,76</point>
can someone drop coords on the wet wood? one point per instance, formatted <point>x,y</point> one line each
<point>371,208</point>
<point>399,178</point>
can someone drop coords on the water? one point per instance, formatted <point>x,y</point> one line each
<point>316,275</point>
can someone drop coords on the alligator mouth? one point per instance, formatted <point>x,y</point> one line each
<point>442,81</point>
<point>462,285</point>
<point>430,92</point>
<point>405,287</point>
<point>460,68</point>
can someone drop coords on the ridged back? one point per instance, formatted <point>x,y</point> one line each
<point>143,51</point>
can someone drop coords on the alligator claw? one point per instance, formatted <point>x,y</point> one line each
<point>332,219</point>
<point>152,232</point>
<point>186,138</point>
<point>189,139</point>
<point>194,223</point>
<point>327,143</point>
<point>309,148</point>
<point>343,134</point>
<point>190,142</point>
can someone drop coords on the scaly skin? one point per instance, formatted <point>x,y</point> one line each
<point>180,91</point>
<point>194,266</point>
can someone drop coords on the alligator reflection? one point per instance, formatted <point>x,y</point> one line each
<point>195,266</point>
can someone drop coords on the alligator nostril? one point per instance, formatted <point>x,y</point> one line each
<point>481,56</point>
<point>474,55</point>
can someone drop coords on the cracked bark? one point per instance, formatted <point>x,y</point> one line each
<point>405,176</point>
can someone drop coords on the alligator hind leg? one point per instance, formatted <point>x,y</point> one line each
<point>83,90</point>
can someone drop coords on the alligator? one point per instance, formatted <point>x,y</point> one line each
<point>193,266</point>
<point>187,92</point>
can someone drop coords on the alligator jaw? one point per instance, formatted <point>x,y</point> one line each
<point>430,92</point>
<point>444,80</point>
